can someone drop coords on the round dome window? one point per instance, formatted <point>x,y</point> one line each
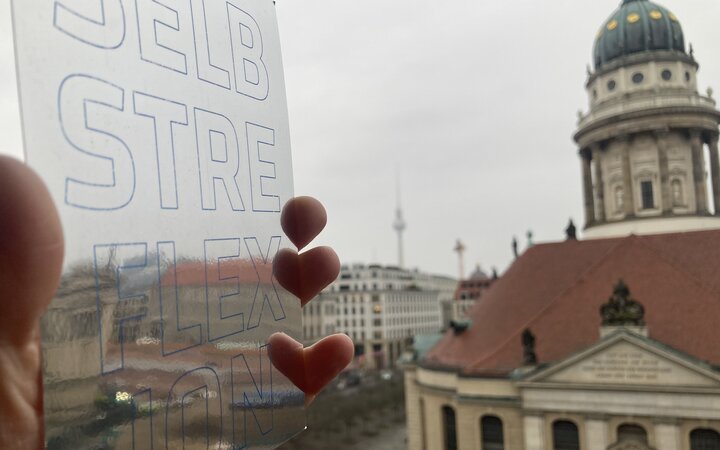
<point>638,78</point>
<point>666,75</point>
<point>611,85</point>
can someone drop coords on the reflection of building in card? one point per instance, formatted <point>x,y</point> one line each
<point>609,343</point>
<point>122,363</point>
<point>380,308</point>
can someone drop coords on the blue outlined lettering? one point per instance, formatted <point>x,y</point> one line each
<point>261,146</point>
<point>207,70</point>
<point>157,23</point>
<point>177,334</point>
<point>260,399</point>
<point>222,288</point>
<point>117,303</point>
<point>165,114</point>
<point>102,28</point>
<point>85,102</point>
<point>196,389</point>
<point>251,74</point>
<point>218,159</point>
<point>265,288</point>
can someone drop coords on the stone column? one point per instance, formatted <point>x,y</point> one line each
<point>698,160</point>
<point>588,187</point>
<point>667,436</point>
<point>599,182</point>
<point>596,434</point>
<point>534,432</point>
<point>667,203</point>
<point>715,170</point>
<point>628,194</point>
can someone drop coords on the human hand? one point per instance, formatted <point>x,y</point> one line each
<point>31,254</point>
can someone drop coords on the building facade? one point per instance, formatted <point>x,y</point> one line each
<point>381,308</point>
<point>468,292</point>
<point>605,343</point>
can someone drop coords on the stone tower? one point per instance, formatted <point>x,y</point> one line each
<point>649,137</point>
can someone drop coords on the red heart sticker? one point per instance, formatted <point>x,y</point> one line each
<point>308,273</point>
<point>310,369</point>
<point>302,219</point>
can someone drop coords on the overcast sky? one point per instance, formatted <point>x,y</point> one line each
<point>473,103</point>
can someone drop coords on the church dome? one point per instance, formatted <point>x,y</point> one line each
<point>637,26</point>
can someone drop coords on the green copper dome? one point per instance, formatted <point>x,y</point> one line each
<point>637,26</point>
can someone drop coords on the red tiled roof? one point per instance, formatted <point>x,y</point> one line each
<point>193,273</point>
<point>556,290</point>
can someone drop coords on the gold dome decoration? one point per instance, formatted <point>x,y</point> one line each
<point>672,17</point>
<point>655,14</point>
<point>633,18</point>
<point>612,25</point>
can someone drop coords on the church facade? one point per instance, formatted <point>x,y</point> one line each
<point>610,342</point>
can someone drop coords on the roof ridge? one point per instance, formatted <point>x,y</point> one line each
<point>570,286</point>
<point>675,265</point>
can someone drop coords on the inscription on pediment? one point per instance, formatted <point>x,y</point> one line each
<point>625,363</point>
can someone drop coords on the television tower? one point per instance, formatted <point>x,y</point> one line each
<point>399,225</point>
<point>460,249</point>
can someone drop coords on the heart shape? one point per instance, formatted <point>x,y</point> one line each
<point>302,219</point>
<point>308,273</point>
<point>312,368</point>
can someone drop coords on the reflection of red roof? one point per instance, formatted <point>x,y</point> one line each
<point>193,273</point>
<point>556,291</point>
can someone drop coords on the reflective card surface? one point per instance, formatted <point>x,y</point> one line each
<point>161,130</point>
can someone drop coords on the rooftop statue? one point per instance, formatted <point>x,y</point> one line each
<point>622,309</point>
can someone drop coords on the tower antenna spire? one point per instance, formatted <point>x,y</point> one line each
<point>460,250</point>
<point>399,225</point>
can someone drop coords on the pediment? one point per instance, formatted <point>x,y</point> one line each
<point>625,359</point>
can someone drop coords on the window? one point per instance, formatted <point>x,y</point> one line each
<point>491,429</point>
<point>666,75</point>
<point>688,77</point>
<point>631,432</point>
<point>565,435</point>
<point>611,85</point>
<point>677,193</point>
<point>638,78</point>
<point>648,199</point>
<point>704,439</point>
<point>449,428</point>
<point>619,199</point>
